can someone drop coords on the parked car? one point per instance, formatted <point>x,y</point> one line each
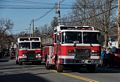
<point>116,59</point>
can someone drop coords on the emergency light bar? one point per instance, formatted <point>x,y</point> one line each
<point>58,28</point>
<point>35,39</point>
<point>24,39</point>
<point>29,39</point>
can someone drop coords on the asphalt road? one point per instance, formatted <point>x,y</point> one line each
<point>10,72</point>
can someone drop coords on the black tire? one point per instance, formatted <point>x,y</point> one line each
<point>59,68</point>
<point>20,63</point>
<point>17,62</point>
<point>91,68</point>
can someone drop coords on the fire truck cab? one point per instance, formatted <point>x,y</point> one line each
<point>28,50</point>
<point>73,47</point>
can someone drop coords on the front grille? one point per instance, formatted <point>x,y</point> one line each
<point>82,53</point>
<point>31,55</point>
<point>69,61</point>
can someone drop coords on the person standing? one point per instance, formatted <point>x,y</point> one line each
<point>108,57</point>
<point>103,53</point>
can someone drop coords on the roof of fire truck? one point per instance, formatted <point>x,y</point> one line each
<point>22,39</point>
<point>63,27</point>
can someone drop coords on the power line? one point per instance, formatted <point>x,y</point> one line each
<point>37,7</point>
<point>32,8</point>
<point>101,12</point>
<point>32,22</point>
<point>95,15</point>
<point>47,12</point>
<point>43,15</point>
<point>24,1</point>
<point>30,2</point>
<point>32,5</point>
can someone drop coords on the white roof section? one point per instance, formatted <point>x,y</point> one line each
<point>74,28</point>
<point>29,39</point>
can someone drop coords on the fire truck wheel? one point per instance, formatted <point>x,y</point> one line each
<point>59,68</point>
<point>91,68</point>
<point>20,63</point>
<point>17,62</point>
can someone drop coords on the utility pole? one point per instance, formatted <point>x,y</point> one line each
<point>30,30</point>
<point>33,29</point>
<point>118,23</point>
<point>58,12</point>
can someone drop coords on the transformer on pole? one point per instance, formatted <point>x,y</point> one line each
<point>58,12</point>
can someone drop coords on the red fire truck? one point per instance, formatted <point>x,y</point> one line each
<point>73,47</point>
<point>28,50</point>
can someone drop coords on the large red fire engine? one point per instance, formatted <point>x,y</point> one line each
<point>28,50</point>
<point>73,47</point>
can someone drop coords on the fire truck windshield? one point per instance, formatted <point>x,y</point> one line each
<point>80,37</point>
<point>70,37</point>
<point>91,37</point>
<point>24,45</point>
<point>36,45</point>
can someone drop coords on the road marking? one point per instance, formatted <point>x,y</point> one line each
<point>78,77</point>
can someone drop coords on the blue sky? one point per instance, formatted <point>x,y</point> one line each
<point>22,17</point>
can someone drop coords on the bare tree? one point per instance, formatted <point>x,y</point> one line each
<point>5,26</point>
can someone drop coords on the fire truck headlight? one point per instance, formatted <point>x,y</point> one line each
<point>93,51</point>
<point>24,56</point>
<point>39,55</point>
